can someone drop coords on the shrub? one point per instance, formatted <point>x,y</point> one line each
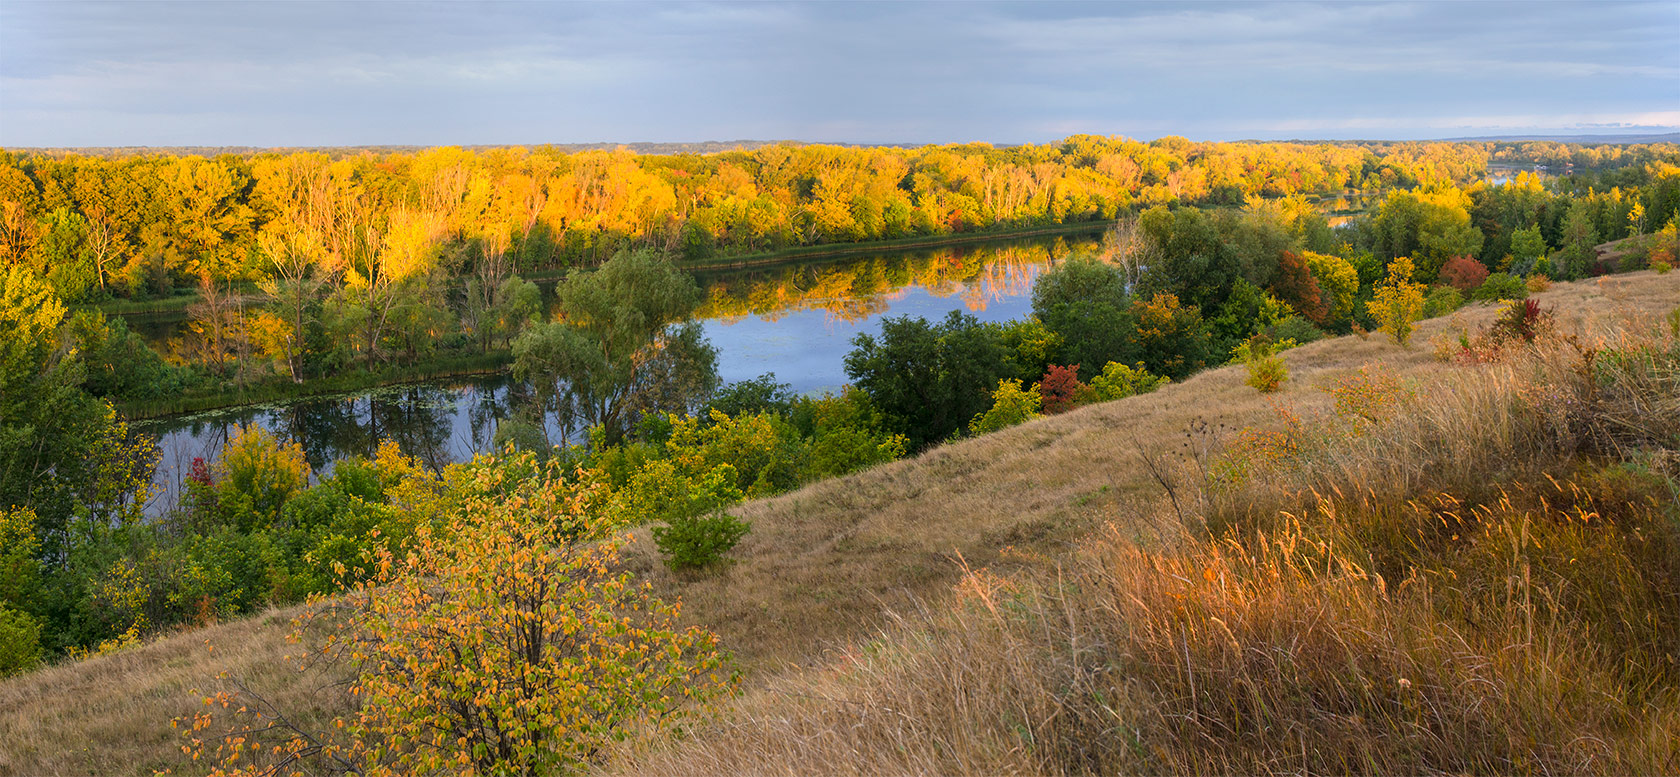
<point>20,641</point>
<point>1521,320</point>
<point>1266,370</point>
<point>1664,245</point>
<point>1118,381</point>
<point>1538,283</point>
<point>1060,390</point>
<point>699,541</point>
<point>1441,301</point>
<point>1501,286</point>
<point>1463,273</point>
<point>1011,405</point>
<point>1397,302</point>
<point>1295,328</point>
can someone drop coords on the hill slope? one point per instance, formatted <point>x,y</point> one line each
<point>824,566</point>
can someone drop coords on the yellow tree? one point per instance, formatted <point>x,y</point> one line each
<point>376,279</point>
<point>507,640</point>
<point>1398,301</point>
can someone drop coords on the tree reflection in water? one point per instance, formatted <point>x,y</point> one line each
<point>795,320</point>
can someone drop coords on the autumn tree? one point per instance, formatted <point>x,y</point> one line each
<point>1338,283</point>
<point>381,265</point>
<point>293,286</point>
<point>1464,273</point>
<point>1397,302</point>
<point>1172,338</point>
<point>1295,285</point>
<point>505,640</point>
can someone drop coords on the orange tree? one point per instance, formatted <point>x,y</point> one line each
<point>505,641</point>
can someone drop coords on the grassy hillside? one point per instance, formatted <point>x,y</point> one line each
<point>844,591</point>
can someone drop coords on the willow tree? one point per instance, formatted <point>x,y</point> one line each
<point>624,345</point>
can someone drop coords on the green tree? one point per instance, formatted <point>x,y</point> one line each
<point>1086,305</point>
<point>1527,247</point>
<point>1579,239</point>
<point>623,348</point>
<point>929,379</point>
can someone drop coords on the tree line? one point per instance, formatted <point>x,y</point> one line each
<point>143,226</point>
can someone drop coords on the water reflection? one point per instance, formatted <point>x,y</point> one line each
<point>797,321</point>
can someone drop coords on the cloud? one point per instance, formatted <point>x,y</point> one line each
<point>324,73</point>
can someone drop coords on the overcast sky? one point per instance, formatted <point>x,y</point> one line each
<point>370,73</point>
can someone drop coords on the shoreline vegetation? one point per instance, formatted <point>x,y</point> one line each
<point>499,361</point>
<point>176,306</point>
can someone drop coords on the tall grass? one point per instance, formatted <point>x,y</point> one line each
<point>1478,575</point>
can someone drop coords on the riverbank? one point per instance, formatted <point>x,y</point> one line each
<point>176,306</point>
<point>360,380</point>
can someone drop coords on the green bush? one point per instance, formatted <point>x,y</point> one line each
<point>20,642</point>
<point>1295,328</point>
<point>1266,370</point>
<point>699,541</point>
<point>1502,286</point>
<point>1118,381</point>
<point>1441,301</point>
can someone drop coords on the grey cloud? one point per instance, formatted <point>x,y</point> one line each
<point>319,73</point>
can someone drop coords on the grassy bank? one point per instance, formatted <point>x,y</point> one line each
<point>873,570</point>
<point>360,380</point>
<point>173,305</point>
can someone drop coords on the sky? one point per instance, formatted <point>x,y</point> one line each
<point>467,73</point>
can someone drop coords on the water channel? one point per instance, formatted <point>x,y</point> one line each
<point>794,320</point>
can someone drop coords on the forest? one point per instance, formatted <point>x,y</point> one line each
<point>306,265</point>
<point>384,266</point>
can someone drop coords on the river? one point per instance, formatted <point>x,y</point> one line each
<point>794,320</point>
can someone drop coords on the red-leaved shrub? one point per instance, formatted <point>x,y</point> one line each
<point>1464,273</point>
<point>1060,389</point>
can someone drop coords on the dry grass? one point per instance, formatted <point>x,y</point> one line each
<point>1535,632</point>
<point>824,568</point>
<point>110,714</point>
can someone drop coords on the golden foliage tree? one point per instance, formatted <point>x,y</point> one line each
<point>507,640</point>
<point>1397,302</point>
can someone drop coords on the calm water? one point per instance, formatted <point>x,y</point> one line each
<point>796,321</point>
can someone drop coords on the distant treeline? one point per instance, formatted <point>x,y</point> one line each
<point>142,225</point>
